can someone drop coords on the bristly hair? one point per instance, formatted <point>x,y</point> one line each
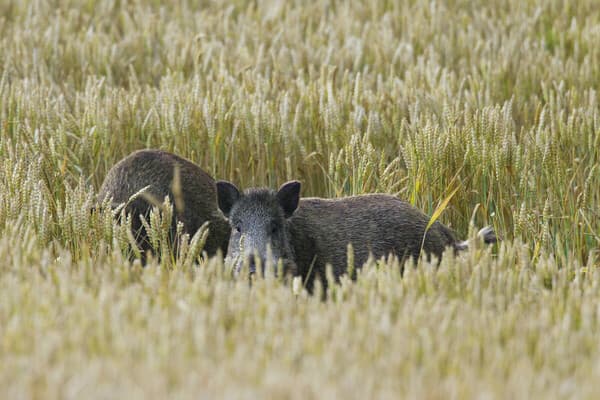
<point>259,201</point>
<point>260,193</point>
<point>259,198</point>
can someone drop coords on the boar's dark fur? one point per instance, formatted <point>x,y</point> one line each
<point>309,233</point>
<point>155,168</point>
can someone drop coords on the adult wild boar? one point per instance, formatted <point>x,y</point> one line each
<point>194,203</point>
<point>308,233</point>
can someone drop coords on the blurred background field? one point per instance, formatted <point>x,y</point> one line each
<point>416,98</point>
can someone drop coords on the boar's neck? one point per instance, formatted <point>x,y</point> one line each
<point>219,232</point>
<point>305,236</point>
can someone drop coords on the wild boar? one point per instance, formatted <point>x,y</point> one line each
<point>308,233</point>
<point>194,203</point>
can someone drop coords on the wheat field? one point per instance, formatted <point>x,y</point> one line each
<point>494,101</point>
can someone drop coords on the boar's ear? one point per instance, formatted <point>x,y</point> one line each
<point>289,196</point>
<point>227,196</point>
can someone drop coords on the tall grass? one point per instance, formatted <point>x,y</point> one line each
<point>496,99</point>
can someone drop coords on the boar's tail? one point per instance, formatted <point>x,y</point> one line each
<point>487,234</point>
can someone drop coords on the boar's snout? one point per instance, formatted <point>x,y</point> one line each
<point>252,265</point>
<point>254,261</point>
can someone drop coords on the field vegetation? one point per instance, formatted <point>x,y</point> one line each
<point>491,105</point>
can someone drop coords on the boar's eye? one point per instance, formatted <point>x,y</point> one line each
<point>274,228</point>
<point>238,228</point>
